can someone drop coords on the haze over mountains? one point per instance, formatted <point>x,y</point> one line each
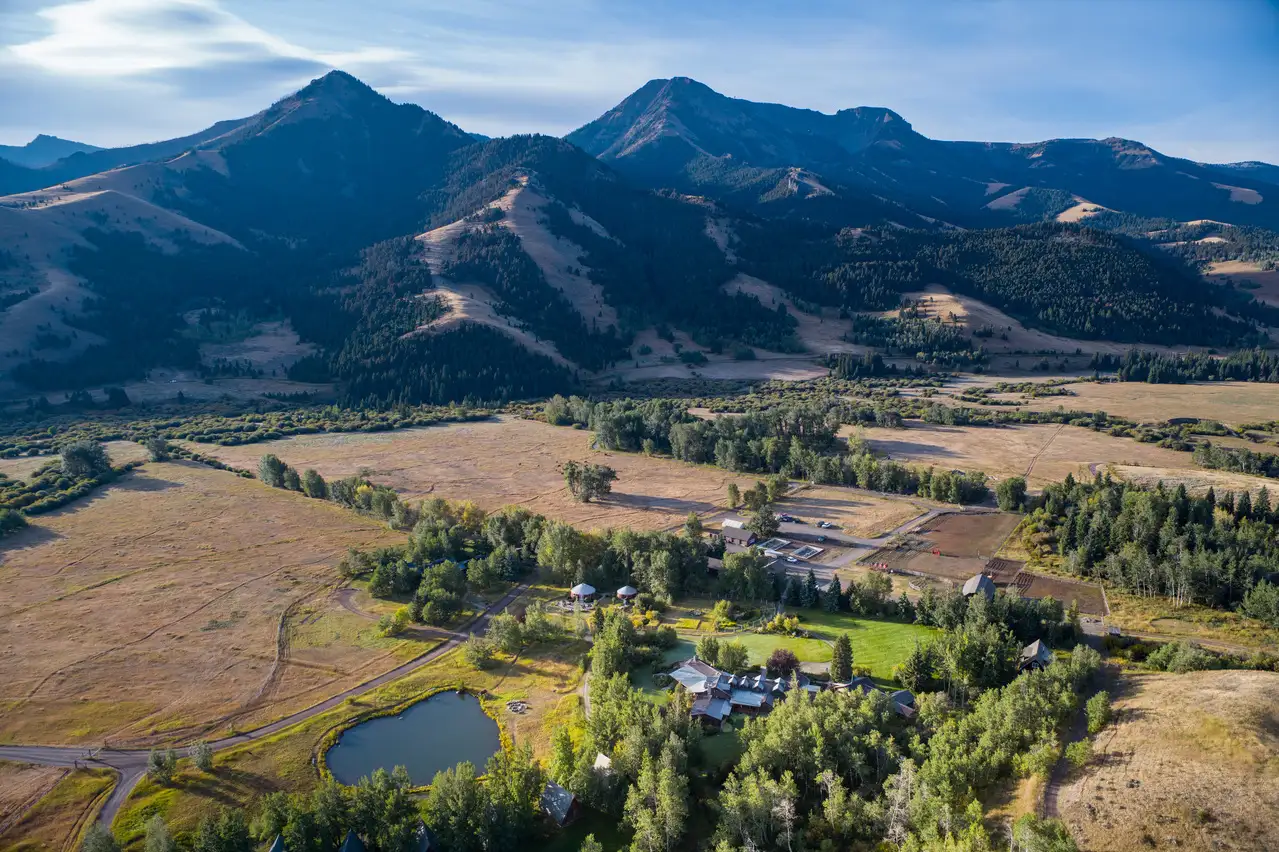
<point>679,226</point>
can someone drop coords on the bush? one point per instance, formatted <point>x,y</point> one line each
<point>782,663</point>
<point>1079,753</point>
<point>1098,711</point>
<point>85,459</point>
<point>1182,657</point>
<point>394,625</point>
<point>479,652</point>
<point>11,522</point>
<point>202,756</point>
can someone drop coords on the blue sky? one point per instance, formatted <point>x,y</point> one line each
<point>1193,78</point>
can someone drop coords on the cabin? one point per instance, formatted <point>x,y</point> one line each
<point>1034,657</point>
<point>559,804</point>
<point>980,584</point>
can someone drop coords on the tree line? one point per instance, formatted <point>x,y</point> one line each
<point>794,439</point>
<point>1208,550</point>
<point>1246,365</point>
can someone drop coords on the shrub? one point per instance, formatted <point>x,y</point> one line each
<point>479,652</point>
<point>1079,753</point>
<point>394,625</point>
<point>782,662</point>
<point>202,756</point>
<point>1098,711</point>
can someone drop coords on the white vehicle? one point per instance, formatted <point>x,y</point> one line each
<point>791,559</point>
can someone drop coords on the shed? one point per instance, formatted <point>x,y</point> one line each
<point>559,804</point>
<point>603,764</point>
<point>979,583</point>
<point>1036,655</point>
<point>277,845</point>
<point>581,590</point>
<point>627,593</point>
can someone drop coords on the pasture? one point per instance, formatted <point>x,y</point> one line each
<point>187,588</point>
<point>501,462</point>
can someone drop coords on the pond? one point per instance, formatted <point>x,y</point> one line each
<point>429,736</point>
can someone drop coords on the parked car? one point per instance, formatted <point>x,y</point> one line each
<point>825,524</point>
<point>791,559</point>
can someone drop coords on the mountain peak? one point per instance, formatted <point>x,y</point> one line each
<point>339,86</point>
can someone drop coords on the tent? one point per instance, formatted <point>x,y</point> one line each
<point>581,590</point>
<point>627,592</point>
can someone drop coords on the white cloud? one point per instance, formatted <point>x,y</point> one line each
<point>122,38</point>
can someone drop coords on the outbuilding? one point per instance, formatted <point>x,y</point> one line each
<point>980,584</point>
<point>582,592</point>
<point>559,804</point>
<point>1036,655</point>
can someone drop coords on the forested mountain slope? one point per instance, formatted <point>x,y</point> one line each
<point>418,263</point>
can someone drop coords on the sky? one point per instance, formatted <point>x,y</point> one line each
<point>1192,78</point>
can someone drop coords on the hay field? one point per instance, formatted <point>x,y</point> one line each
<point>120,452</point>
<point>1229,402</point>
<point>1191,763</point>
<point>506,461</point>
<point>1043,453</point>
<point>176,580</point>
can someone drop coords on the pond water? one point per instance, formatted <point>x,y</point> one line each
<point>429,736</point>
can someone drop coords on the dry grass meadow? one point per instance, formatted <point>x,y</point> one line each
<point>178,579</point>
<point>506,461</point>
<point>1043,453</point>
<point>1229,402</point>
<point>1191,763</point>
<point>60,817</point>
<point>21,786</point>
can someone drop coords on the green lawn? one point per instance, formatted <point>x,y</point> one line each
<point>878,645</point>
<point>760,645</point>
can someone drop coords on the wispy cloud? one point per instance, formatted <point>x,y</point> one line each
<point>92,38</point>
<point>1156,70</point>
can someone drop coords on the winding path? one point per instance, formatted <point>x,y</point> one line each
<point>132,763</point>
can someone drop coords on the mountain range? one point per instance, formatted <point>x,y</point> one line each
<point>415,261</point>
